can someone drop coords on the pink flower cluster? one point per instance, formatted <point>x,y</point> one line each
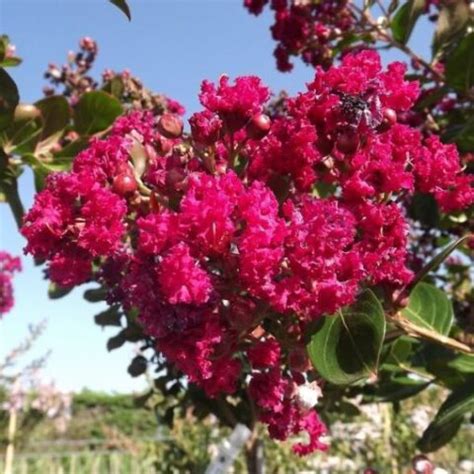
<point>8,266</point>
<point>306,28</point>
<point>230,240</point>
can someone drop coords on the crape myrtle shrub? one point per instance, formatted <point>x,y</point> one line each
<point>223,245</point>
<point>272,230</point>
<point>8,267</point>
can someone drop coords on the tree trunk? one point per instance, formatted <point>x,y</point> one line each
<point>11,441</point>
<point>254,455</point>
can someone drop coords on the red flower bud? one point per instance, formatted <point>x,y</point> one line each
<point>124,184</point>
<point>389,116</point>
<point>259,126</point>
<point>170,125</point>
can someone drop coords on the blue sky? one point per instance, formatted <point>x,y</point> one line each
<point>171,45</point>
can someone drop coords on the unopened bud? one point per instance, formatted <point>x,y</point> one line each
<point>259,126</point>
<point>170,125</point>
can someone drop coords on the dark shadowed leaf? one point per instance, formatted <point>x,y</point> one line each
<point>109,317</point>
<point>55,292</point>
<point>138,366</point>
<point>123,6</point>
<point>460,65</point>
<point>95,295</point>
<point>116,342</point>
<point>424,209</point>
<point>449,418</point>
<point>9,98</point>
<point>346,346</point>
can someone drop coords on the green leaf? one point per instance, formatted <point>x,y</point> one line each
<point>398,351</point>
<point>123,6</point>
<point>461,133</point>
<point>452,22</point>
<point>55,292</point>
<point>395,389</point>
<point>42,169</point>
<point>460,65</point>
<point>9,98</point>
<point>463,363</point>
<point>109,317</point>
<point>436,261</point>
<point>115,87</point>
<point>449,418</point>
<point>429,308</point>
<point>55,114</point>
<point>116,342</point>
<point>424,209</point>
<point>346,346</point>
<point>9,188</point>
<point>10,62</point>
<point>138,366</point>
<point>72,149</point>
<point>95,295</point>
<point>4,61</point>
<point>95,112</point>
<point>405,18</point>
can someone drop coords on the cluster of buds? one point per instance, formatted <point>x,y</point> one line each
<point>73,80</point>
<point>306,28</point>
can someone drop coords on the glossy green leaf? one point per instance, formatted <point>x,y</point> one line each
<point>397,352</point>
<point>55,115</point>
<point>449,418</point>
<point>405,18</point>
<point>9,98</point>
<point>123,6</point>
<point>429,308</point>
<point>95,112</point>
<point>346,346</point>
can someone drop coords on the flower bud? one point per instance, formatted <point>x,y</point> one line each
<point>124,184</point>
<point>170,125</point>
<point>259,126</point>
<point>389,119</point>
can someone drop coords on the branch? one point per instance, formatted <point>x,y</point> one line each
<point>424,333</point>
